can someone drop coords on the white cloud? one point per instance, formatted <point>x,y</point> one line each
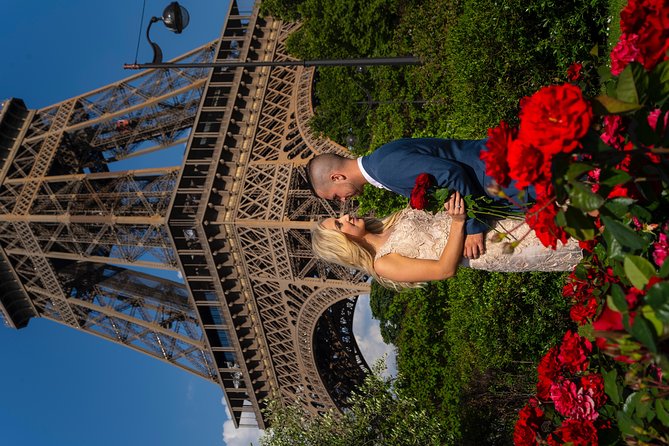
<point>367,331</point>
<point>190,390</point>
<point>243,436</point>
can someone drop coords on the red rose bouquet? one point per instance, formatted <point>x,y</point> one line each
<point>426,195</point>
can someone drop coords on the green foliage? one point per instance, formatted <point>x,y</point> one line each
<point>379,202</point>
<point>466,346</point>
<point>378,415</point>
<point>386,311</point>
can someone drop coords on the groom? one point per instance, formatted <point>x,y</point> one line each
<point>456,164</point>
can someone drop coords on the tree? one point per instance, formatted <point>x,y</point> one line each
<point>378,415</point>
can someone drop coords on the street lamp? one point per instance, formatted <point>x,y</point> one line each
<point>176,18</point>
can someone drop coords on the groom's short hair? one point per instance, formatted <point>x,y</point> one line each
<point>319,169</point>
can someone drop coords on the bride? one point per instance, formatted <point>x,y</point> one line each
<point>411,247</point>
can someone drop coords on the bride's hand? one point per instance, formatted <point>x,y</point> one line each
<point>455,207</point>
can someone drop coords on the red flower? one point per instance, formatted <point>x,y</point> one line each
<point>608,320</point>
<point>574,352</point>
<point>554,119</point>
<point>529,422</point>
<point>541,218</point>
<point>495,158</point>
<point>649,19</point>
<point>419,199</point>
<point>574,71</point>
<point>614,131</point>
<point>588,245</point>
<point>660,250</point>
<point>526,163</point>
<point>576,432</point>
<point>573,402</point>
<point>582,312</point>
<point>593,384</point>
<point>625,51</point>
<point>654,117</point>
<point>549,371</point>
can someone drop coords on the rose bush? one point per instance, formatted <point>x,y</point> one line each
<point>600,168</point>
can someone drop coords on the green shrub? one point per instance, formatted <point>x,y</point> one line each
<point>466,346</point>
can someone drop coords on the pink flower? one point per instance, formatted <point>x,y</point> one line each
<point>654,117</point>
<point>626,51</point>
<point>614,131</point>
<point>573,402</point>
<point>660,250</point>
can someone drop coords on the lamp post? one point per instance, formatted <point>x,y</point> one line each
<point>176,18</point>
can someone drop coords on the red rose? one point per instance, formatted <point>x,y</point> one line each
<point>614,131</point>
<point>649,19</point>
<point>574,71</point>
<point>624,52</point>
<point>573,402</point>
<point>554,119</point>
<point>660,250</point>
<point>576,432</point>
<point>549,372</point>
<point>419,199</point>
<point>574,352</point>
<point>593,384</point>
<point>495,158</point>
<point>656,116</point>
<point>582,312</point>
<point>526,164</point>
<point>529,422</point>
<point>608,320</point>
<point>541,218</point>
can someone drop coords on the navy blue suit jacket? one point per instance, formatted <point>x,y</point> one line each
<point>456,164</point>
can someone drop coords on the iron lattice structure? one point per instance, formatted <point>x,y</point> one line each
<point>81,240</point>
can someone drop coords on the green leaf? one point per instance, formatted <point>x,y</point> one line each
<point>619,206</point>
<point>638,270</point>
<point>585,199</point>
<point>644,331</point>
<point>658,298</point>
<point>576,224</point>
<point>614,249</point>
<point>623,234</point>
<point>658,85</point>
<point>616,177</point>
<point>616,300</point>
<point>611,385</point>
<point>626,89</point>
<point>607,105</point>
<point>650,314</point>
<point>625,424</point>
<point>576,170</point>
<point>662,414</point>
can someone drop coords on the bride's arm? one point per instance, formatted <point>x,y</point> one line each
<point>405,269</point>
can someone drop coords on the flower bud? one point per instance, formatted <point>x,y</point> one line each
<point>507,248</point>
<point>498,237</point>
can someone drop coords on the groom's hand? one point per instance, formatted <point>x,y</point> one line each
<point>474,246</point>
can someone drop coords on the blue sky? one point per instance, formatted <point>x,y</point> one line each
<point>60,386</point>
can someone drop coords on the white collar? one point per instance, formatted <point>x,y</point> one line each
<point>369,179</point>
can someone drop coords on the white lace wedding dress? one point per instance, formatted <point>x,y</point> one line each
<point>421,235</point>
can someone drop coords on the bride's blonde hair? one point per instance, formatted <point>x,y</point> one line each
<point>334,246</point>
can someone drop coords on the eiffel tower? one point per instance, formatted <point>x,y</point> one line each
<point>83,243</point>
